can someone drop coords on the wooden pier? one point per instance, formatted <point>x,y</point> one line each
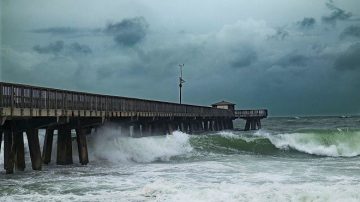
<point>25,109</point>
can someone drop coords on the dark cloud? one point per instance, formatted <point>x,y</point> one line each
<point>307,23</point>
<point>79,48</point>
<point>244,59</point>
<point>351,31</point>
<point>129,31</point>
<point>60,47</point>
<point>293,59</point>
<point>52,48</point>
<point>57,30</point>
<point>280,34</point>
<point>336,14</point>
<point>350,59</point>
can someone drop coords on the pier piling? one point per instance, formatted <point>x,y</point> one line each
<point>64,146</point>
<point>47,147</point>
<point>34,148</point>
<point>19,152</point>
<point>82,146</point>
<point>8,152</point>
<point>1,135</point>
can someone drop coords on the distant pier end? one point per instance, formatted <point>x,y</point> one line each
<point>252,116</point>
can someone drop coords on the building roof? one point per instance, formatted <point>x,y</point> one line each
<point>222,103</point>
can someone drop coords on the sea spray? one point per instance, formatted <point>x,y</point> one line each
<point>110,145</point>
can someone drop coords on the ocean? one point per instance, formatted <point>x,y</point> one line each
<point>289,159</point>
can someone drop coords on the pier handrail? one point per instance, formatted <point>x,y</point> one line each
<point>251,113</point>
<point>26,96</point>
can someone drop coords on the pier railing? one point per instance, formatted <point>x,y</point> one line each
<point>258,113</point>
<point>18,96</point>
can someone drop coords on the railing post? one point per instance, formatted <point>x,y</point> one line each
<point>12,97</point>
<point>1,96</point>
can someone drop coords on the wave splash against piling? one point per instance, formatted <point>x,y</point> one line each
<point>109,145</point>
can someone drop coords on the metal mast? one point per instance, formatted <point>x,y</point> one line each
<point>181,80</point>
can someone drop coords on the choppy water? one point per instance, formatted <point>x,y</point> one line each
<point>290,159</point>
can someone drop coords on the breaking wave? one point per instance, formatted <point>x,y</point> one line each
<point>109,145</point>
<point>334,143</point>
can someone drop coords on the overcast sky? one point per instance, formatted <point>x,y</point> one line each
<point>290,56</point>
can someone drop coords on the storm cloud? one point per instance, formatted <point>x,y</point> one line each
<point>351,31</point>
<point>281,34</point>
<point>53,48</point>
<point>337,14</point>
<point>57,30</point>
<point>307,23</point>
<point>349,60</point>
<point>244,58</point>
<point>59,47</point>
<point>129,31</point>
<point>292,59</point>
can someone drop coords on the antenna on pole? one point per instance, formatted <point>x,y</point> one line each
<point>181,80</point>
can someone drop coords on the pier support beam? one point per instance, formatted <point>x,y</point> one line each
<point>222,122</point>
<point>258,123</point>
<point>190,127</point>
<point>218,125</point>
<point>231,124</point>
<point>183,127</point>
<point>18,148</point>
<point>215,125</point>
<point>170,128</point>
<point>247,125</point>
<point>136,130</point>
<point>253,124</point>
<point>149,129</point>
<point>64,146</point>
<point>47,147</point>
<point>82,146</point>
<point>206,125</point>
<point>34,148</point>
<point>8,152</point>
<point>211,125</point>
<point>145,129</point>
<point>1,135</point>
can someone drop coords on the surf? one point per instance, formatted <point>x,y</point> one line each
<point>332,143</point>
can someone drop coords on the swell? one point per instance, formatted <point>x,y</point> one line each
<point>221,143</point>
<point>334,143</point>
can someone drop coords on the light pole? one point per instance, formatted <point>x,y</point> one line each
<point>181,80</point>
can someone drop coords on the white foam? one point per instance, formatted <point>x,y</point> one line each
<point>162,190</point>
<point>110,145</point>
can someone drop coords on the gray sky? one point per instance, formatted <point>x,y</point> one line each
<point>292,57</point>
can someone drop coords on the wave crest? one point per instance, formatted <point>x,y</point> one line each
<point>109,145</point>
<point>318,142</point>
<point>329,143</point>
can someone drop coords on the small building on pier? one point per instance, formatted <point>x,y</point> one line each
<point>224,105</point>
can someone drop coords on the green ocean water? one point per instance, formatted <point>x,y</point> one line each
<point>290,159</point>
